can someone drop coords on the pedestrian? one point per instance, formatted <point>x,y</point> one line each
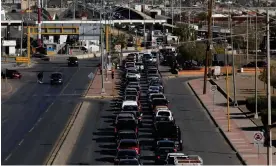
<point>112,73</point>
<point>40,77</point>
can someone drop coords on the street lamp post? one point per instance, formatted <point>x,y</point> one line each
<point>256,60</point>
<point>102,50</point>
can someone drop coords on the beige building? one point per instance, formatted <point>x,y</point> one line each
<point>26,3</point>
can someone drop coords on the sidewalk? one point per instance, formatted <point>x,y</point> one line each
<point>95,88</point>
<point>242,129</point>
<point>245,87</point>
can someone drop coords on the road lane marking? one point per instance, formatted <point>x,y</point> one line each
<point>68,82</point>
<point>8,157</point>
<point>9,91</point>
<point>54,152</point>
<point>31,129</point>
<point>21,142</point>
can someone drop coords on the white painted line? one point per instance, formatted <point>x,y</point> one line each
<point>250,155</point>
<point>8,157</point>
<point>245,149</point>
<point>235,139</point>
<point>238,142</point>
<point>232,133</point>
<point>31,130</point>
<point>38,120</point>
<point>242,145</point>
<point>21,142</point>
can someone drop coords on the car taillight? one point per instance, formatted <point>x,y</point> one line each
<point>158,157</point>
<point>175,150</point>
<point>140,118</point>
<point>137,150</point>
<point>136,130</point>
<point>115,130</point>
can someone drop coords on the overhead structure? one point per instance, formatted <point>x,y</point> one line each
<point>111,22</point>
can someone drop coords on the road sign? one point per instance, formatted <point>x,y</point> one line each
<point>91,76</point>
<point>118,48</point>
<point>258,137</point>
<point>22,59</point>
<point>214,88</point>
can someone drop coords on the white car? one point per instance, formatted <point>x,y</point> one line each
<point>138,75</point>
<point>164,112</point>
<point>130,105</point>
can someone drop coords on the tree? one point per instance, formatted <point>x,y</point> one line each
<point>202,16</point>
<point>191,51</point>
<point>184,32</point>
<point>120,40</point>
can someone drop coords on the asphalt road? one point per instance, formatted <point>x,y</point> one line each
<point>34,116</point>
<point>200,136</point>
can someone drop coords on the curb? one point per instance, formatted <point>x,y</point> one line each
<point>91,82</point>
<point>230,99</point>
<point>53,154</point>
<point>101,97</point>
<point>221,131</point>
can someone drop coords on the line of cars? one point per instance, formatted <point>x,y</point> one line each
<point>129,119</point>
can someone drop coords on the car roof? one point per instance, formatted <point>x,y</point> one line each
<point>153,87</point>
<point>165,141</point>
<point>127,131</point>
<point>130,89</point>
<point>159,99</point>
<point>129,102</point>
<point>124,114</point>
<point>57,73</point>
<point>153,94</point>
<point>164,110</point>
<point>126,150</point>
<point>129,140</point>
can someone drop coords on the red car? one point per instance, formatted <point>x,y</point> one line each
<point>129,144</point>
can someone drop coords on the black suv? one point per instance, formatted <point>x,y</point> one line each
<point>56,78</point>
<point>73,61</point>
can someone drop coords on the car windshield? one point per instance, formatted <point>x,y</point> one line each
<point>133,98</point>
<point>163,113</point>
<point>166,144</point>
<point>164,151</point>
<point>131,93</point>
<point>156,96</point>
<point>130,64</point>
<point>147,56</point>
<point>126,144</point>
<point>133,71</point>
<point>152,71</point>
<point>130,153</point>
<point>126,116</point>
<point>160,102</point>
<point>56,75</point>
<point>132,79</point>
<point>126,124</point>
<point>129,162</point>
<point>162,118</point>
<point>127,136</point>
<point>154,88</point>
<point>73,58</point>
<point>130,108</point>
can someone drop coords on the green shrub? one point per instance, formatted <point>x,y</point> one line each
<point>264,116</point>
<point>262,103</point>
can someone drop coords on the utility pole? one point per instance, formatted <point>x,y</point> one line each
<point>247,38</point>
<point>256,66</point>
<point>39,23</point>
<point>102,49</point>
<point>106,42</point>
<point>74,9</point>
<point>269,147</point>
<point>208,49</point>
<point>172,13</point>
<point>233,63</point>
<point>21,35</point>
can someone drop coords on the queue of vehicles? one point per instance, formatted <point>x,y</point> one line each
<point>167,135</point>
